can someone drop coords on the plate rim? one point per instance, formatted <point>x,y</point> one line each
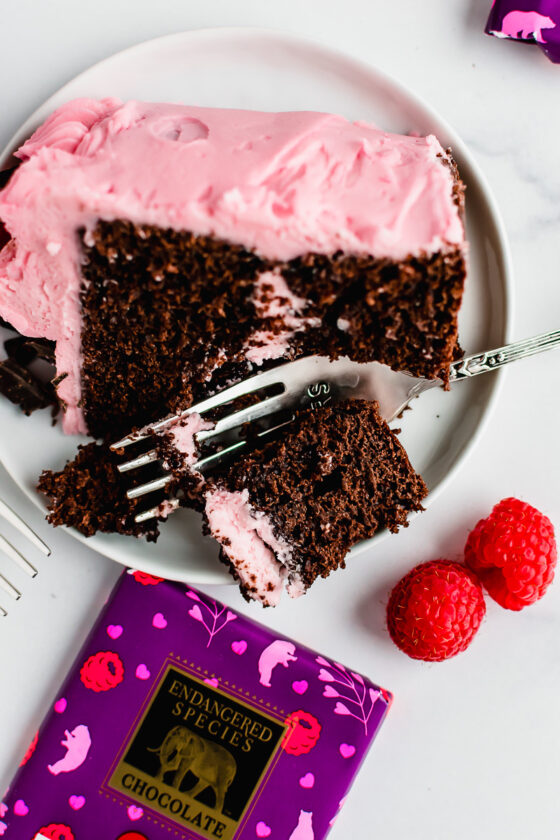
<point>217,575</point>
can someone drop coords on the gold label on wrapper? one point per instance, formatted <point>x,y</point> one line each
<point>197,756</point>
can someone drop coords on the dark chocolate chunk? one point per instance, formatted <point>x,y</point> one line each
<point>22,388</point>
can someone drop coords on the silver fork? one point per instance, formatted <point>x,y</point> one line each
<point>313,381</point>
<point>10,551</point>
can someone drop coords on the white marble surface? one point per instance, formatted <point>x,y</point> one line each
<point>470,748</point>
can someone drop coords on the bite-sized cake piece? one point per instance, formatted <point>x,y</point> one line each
<point>89,494</point>
<point>290,511</point>
<point>168,250</point>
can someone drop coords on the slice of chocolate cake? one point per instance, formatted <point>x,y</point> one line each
<point>169,250</point>
<point>290,511</point>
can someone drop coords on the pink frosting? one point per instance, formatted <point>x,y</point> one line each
<point>247,538</point>
<point>166,508</point>
<point>281,184</point>
<point>182,436</point>
<point>273,299</point>
<point>264,344</point>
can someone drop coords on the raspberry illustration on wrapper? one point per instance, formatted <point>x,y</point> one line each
<point>102,671</point>
<point>55,831</point>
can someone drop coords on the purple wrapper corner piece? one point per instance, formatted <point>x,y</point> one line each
<point>530,21</point>
<point>182,718</point>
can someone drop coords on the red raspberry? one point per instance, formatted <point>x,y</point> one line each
<point>435,610</point>
<point>513,551</point>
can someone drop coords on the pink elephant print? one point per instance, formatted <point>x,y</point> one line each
<point>525,25</point>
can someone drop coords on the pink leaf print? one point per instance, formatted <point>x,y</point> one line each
<point>212,615</point>
<point>195,613</point>
<point>324,676</point>
<point>330,691</point>
<point>351,688</point>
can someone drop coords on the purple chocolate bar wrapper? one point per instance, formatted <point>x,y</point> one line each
<point>531,21</point>
<point>183,719</point>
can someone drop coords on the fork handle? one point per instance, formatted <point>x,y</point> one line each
<point>483,362</point>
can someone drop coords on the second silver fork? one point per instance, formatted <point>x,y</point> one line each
<point>10,516</point>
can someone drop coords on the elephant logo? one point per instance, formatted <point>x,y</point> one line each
<point>182,751</point>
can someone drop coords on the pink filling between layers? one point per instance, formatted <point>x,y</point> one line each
<point>247,538</point>
<point>280,184</point>
<point>182,436</point>
<point>273,299</point>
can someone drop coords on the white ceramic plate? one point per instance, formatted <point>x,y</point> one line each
<point>261,69</point>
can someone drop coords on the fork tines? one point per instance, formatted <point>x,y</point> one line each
<point>12,552</point>
<point>280,394</point>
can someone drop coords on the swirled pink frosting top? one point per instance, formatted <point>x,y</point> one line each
<point>282,184</point>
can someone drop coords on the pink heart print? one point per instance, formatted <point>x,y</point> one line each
<point>76,802</point>
<point>114,631</point>
<point>142,672</point>
<point>3,828</point>
<point>60,705</point>
<point>212,681</point>
<point>3,809</point>
<point>159,621</point>
<point>347,750</point>
<point>134,813</point>
<point>195,613</point>
<point>325,676</point>
<point>307,781</point>
<point>263,830</point>
<point>300,686</point>
<point>20,808</point>
<point>239,647</point>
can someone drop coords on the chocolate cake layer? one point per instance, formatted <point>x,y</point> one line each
<point>168,316</point>
<point>158,307</point>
